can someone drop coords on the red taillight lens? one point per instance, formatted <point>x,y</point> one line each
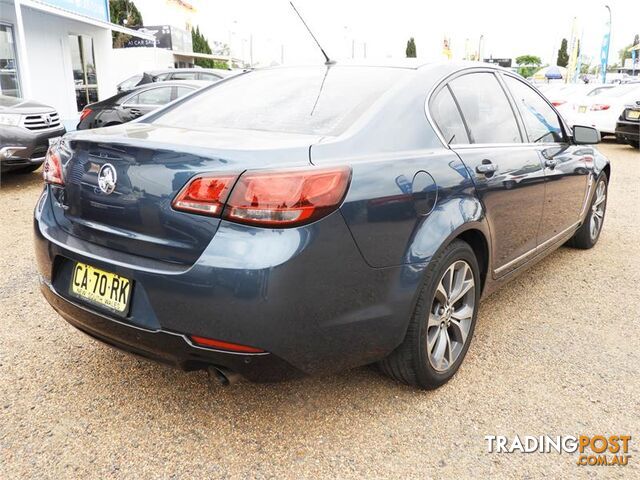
<point>52,168</point>
<point>205,194</point>
<point>281,199</point>
<point>221,345</point>
<point>557,103</point>
<point>599,106</point>
<point>86,111</point>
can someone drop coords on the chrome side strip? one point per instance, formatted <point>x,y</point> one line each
<point>535,250</point>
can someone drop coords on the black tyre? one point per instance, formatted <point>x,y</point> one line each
<point>443,321</point>
<point>587,235</point>
<point>634,143</point>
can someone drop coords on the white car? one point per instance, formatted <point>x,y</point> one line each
<point>574,92</point>
<point>602,111</point>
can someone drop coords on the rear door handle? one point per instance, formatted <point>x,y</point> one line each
<point>550,163</point>
<point>486,168</point>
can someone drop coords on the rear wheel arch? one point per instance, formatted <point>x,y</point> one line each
<point>480,245</point>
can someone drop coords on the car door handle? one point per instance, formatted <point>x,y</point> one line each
<point>550,163</point>
<point>486,168</point>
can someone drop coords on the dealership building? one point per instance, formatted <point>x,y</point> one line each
<point>59,52</point>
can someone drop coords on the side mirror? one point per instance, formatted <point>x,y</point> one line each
<point>585,135</point>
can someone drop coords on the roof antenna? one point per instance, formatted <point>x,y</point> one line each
<point>328,60</point>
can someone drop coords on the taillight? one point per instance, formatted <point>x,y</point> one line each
<point>267,198</point>
<point>222,345</point>
<point>86,111</point>
<point>205,194</point>
<point>52,168</point>
<point>557,103</point>
<point>598,107</point>
<point>288,198</point>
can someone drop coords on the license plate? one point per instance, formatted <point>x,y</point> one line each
<point>633,114</point>
<point>101,288</point>
<point>582,109</point>
<point>54,140</point>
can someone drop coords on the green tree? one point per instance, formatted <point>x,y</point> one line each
<point>625,52</point>
<point>528,64</point>
<point>563,55</point>
<point>125,13</point>
<point>411,48</point>
<point>201,45</point>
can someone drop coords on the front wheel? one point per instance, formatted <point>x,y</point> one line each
<point>443,321</point>
<point>587,235</point>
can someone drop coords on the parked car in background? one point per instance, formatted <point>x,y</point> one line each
<point>128,105</point>
<point>602,111</point>
<point>628,126</point>
<point>204,74</point>
<point>574,92</point>
<point>304,220</point>
<point>26,128</point>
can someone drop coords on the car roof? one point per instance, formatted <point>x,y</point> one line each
<point>169,83</point>
<point>217,71</point>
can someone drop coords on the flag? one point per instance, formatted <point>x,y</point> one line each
<point>604,51</point>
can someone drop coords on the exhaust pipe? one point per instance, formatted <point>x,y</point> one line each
<point>224,376</point>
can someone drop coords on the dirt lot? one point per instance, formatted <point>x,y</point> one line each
<point>555,352</point>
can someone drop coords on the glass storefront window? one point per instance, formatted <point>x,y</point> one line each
<point>9,80</point>
<point>84,70</point>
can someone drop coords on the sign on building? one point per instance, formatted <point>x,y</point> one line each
<point>98,9</point>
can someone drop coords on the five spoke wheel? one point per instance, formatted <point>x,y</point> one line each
<point>451,315</point>
<point>597,210</point>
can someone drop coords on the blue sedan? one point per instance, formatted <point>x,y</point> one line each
<point>302,220</point>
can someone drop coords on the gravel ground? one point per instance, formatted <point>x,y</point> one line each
<point>555,352</point>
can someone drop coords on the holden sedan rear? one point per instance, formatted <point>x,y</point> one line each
<point>293,221</point>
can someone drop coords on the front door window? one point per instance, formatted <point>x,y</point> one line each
<point>84,70</point>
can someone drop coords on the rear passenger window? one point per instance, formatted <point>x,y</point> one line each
<point>182,91</point>
<point>540,120</point>
<point>446,115</point>
<point>486,109</point>
<point>209,77</point>
<point>184,76</point>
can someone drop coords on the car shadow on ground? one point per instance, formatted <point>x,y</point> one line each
<point>13,181</point>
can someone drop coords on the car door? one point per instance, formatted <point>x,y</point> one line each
<point>565,165</point>
<point>508,175</point>
<point>146,101</point>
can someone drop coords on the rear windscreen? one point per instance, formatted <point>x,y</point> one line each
<point>311,100</point>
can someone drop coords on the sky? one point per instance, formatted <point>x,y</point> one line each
<point>382,28</point>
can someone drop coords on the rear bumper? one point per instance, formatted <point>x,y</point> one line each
<point>628,130</point>
<point>166,347</point>
<point>304,295</point>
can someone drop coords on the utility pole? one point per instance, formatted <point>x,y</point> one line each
<point>480,48</point>
<point>364,49</point>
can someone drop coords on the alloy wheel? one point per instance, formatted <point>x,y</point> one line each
<point>597,210</point>
<point>451,315</point>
